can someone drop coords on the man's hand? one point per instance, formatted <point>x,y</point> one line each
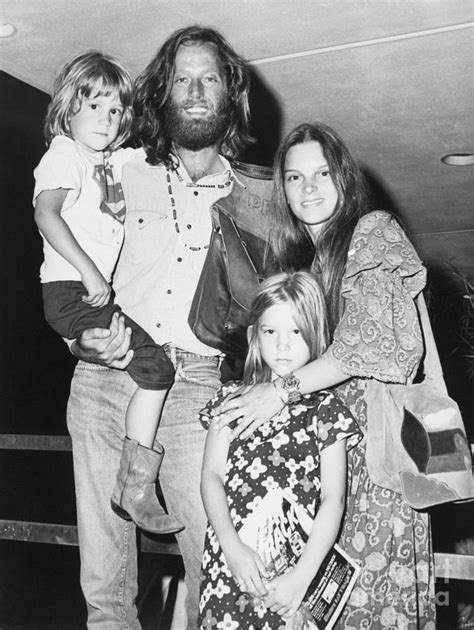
<point>107,346</point>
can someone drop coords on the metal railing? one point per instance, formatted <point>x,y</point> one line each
<point>53,533</point>
<point>447,565</point>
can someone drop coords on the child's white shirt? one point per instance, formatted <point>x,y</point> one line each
<point>68,165</point>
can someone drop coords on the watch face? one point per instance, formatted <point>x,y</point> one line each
<point>290,382</point>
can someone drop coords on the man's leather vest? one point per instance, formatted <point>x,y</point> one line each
<point>235,264</point>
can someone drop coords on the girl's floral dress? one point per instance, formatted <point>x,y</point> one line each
<point>282,453</point>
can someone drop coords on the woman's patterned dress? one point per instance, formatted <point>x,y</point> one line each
<point>282,453</point>
<point>379,337</point>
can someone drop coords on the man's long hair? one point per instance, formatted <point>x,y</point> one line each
<point>153,89</point>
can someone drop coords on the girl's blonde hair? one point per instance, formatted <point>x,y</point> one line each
<point>89,74</point>
<point>301,290</point>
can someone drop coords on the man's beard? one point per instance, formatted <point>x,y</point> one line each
<point>196,134</point>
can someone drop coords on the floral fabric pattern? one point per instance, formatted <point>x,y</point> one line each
<point>282,453</point>
<point>379,337</point>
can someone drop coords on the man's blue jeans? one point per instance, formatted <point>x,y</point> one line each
<point>96,413</point>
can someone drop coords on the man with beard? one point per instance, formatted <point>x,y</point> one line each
<point>186,276</point>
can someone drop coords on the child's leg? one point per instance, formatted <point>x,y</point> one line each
<point>134,496</point>
<point>143,415</point>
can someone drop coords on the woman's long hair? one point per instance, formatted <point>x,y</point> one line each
<point>290,242</point>
<point>87,75</point>
<point>302,291</point>
<point>153,89</point>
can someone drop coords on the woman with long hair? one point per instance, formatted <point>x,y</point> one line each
<point>371,275</point>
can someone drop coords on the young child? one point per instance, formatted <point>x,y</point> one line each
<point>80,210</point>
<point>300,453</point>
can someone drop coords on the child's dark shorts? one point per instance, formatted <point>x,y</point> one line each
<point>69,316</point>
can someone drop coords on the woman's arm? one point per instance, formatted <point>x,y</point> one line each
<point>244,563</point>
<point>58,234</point>
<point>374,288</point>
<point>261,402</point>
<point>287,591</point>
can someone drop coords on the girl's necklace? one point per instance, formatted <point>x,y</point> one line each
<point>173,205</point>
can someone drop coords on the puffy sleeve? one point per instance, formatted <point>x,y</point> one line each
<point>333,422</point>
<point>379,334</point>
<point>212,408</point>
<point>60,167</point>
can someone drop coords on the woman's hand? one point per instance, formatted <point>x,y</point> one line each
<point>285,593</point>
<point>247,569</point>
<point>251,406</point>
<point>107,346</point>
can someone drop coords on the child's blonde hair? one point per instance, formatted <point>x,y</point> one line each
<point>89,74</point>
<point>301,290</point>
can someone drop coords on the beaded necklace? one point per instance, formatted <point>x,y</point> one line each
<point>173,204</point>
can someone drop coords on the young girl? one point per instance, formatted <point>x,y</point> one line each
<point>373,277</point>
<point>79,209</point>
<point>300,455</point>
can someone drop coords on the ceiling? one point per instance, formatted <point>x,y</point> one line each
<point>394,77</point>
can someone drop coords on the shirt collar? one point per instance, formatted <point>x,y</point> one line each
<point>215,178</point>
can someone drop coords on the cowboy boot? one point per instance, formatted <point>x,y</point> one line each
<point>134,496</point>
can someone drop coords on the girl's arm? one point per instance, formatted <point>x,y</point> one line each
<point>261,402</point>
<point>244,563</point>
<point>286,592</point>
<point>58,234</point>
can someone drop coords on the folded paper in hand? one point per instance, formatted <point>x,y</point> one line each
<point>278,530</point>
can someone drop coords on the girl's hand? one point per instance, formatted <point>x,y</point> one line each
<point>251,406</point>
<point>247,569</point>
<point>98,290</point>
<point>285,593</point>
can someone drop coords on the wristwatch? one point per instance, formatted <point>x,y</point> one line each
<point>289,386</point>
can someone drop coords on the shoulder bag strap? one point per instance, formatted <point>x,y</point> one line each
<point>431,364</point>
